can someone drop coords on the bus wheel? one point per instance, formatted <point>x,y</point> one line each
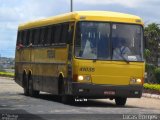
<point>32,92</point>
<point>66,99</point>
<point>25,85</point>
<point>120,101</point>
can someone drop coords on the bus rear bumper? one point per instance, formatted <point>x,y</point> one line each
<point>106,91</point>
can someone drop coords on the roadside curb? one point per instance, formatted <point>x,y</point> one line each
<point>148,95</point>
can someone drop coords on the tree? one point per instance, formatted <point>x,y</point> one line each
<point>152,38</point>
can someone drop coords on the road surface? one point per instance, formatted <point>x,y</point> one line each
<point>13,104</point>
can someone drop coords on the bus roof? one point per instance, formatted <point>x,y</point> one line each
<point>84,16</point>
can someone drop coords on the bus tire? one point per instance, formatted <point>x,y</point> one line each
<point>32,92</point>
<point>66,99</point>
<point>25,85</point>
<point>120,101</point>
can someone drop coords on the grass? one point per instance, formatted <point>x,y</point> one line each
<point>152,86</point>
<point>6,74</point>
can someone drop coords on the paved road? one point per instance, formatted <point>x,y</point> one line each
<point>13,104</point>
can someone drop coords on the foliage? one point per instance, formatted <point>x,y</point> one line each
<point>157,74</point>
<point>150,69</point>
<point>147,53</point>
<point>152,38</point>
<point>6,74</point>
<point>152,86</point>
<point>151,52</point>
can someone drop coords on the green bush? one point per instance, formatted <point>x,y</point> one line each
<point>150,67</point>
<point>147,53</point>
<point>6,74</point>
<point>152,86</point>
<point>157,74</point>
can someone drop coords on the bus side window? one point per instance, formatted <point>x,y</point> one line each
<point>27,37</point>
<point>36,36</point>
<point>19,43</point>
<point>53,29</point>
<point>49,35</point>
<point>57,33</point>
<point>64,35</point>
<point>31,37</point>
<point>22,37</point>
<point>42,39</point>
<point>45,36</point>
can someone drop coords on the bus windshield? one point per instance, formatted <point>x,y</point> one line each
<point>106,41</point>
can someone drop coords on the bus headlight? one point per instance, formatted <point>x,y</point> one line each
<point>84,78</point>
<point>80,78</point>
<point>139,81</point>
<point>135,81</point>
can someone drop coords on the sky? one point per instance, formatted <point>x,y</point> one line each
<point>15,12</point>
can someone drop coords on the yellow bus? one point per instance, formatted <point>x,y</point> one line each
<point>83,54</point>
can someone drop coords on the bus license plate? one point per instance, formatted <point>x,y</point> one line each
<point>109,92</point>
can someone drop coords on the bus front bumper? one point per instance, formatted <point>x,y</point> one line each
<point>106,91</point>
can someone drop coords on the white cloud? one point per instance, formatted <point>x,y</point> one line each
<point>28,10</point>
<point>14,12</point>
<point>127,3</point>
<point>8,25</point>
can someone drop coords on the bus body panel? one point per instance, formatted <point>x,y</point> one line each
<point>109,79</point>
<point>45,66</point>
<point>110,73</point>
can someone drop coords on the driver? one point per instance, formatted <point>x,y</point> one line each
<point>121,50</point>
